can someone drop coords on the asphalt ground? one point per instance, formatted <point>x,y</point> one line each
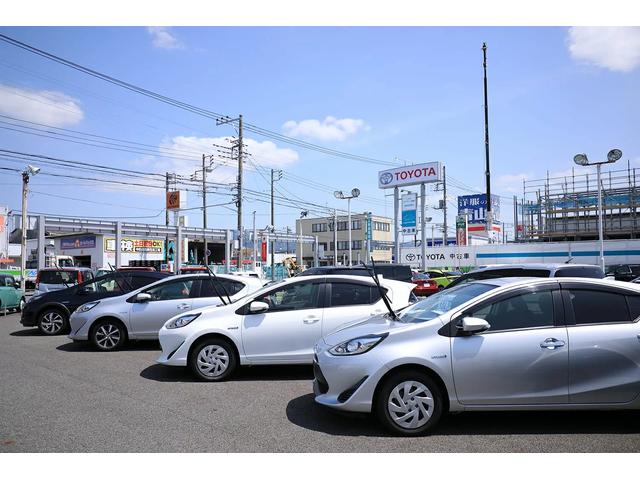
<point>60,396</point>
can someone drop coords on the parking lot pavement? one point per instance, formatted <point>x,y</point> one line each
<point>58,396</point>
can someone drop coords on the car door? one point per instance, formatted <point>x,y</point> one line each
<point>521,359</point>
<point>604,343</point>
<point>348,301</point>
<point>288,330</point>
<point>167,300</point>
<point>7,292</point>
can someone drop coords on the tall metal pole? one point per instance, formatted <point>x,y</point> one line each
<point>273,226</point>
<point>396,224</point>
<point>444,206</point>
<point>349,226</point>
<point>204,210</point>
<point>166,221</point>
<point>335,238</point>
<point>487,171</point>
<point>240,161</point>
<point>600,228</point>
<point>25,226</point>
<point>423,235</point>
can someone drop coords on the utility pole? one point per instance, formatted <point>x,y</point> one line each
<point>274,173</point>
<point>335,238</point>
<point>204,209</point>
<point>25,227</point>
<point>487,171</point>
<point>222,121</point>
<point>166,220</point>
<point>255,250</point>
<point>444,206</point>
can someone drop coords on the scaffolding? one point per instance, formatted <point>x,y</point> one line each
<point>565,208</point>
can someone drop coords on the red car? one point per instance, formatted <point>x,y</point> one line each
<point>424,285</point>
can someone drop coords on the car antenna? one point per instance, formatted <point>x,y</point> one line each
<point>213,276</point>
<point>569,260</point>
<point>123,277</point>
<point>383,294</point>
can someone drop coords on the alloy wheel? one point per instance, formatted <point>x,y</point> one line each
<point>410,404</point>
<point>212,361</point>
<point>21,305</point>
<point>107,336</point>
<point>51,323</point>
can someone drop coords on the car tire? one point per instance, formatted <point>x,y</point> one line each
<point>213,360</point>
<point>440,287</point>
<point>52,321</point>
<point>108,335</point>
<point>21,305</point>
<point>409,403</point>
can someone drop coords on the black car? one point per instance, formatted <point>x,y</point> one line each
<point>391,271</point>
<point>537,270</point>
<point>50,311</point>
<point>624,273</point>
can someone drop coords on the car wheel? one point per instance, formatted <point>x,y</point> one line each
<point>409,403</point>
<point>108,335</point>
<point>213,360</point>
<point>52,322</point>
<point>21,304</point>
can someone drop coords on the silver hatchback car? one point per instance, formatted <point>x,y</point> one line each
<point>500,344</point>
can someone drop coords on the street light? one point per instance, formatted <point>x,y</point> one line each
<point>26,174</point>
<point>340,195</point>
<point>582,160</point>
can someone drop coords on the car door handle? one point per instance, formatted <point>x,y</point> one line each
<point>552,344</point>
<point>183,306</point>
<point>310,320</point>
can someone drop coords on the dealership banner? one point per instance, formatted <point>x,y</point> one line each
<point>475,207</point>
<point>77,243</point>
<point>453,256</point>
<point>409,209</point>
<point>409,175</point>
<point>135,245</point>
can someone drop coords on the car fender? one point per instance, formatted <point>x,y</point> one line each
<point>441,366</point>
<point>230,332</point>
<point>56,305</point>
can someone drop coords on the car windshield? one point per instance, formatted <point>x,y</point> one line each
<point>442,302</point>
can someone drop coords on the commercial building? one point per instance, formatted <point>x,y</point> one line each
<point>378,230</point>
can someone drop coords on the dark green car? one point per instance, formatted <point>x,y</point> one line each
<point>11,295</point>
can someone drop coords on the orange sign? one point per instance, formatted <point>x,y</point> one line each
<point>173,200</point>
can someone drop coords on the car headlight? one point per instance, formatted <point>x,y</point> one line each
<point>87,306</point>
<point>357,346</point>
<point>182,321</point>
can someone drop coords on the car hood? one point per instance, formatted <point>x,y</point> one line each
<point>370,326</point>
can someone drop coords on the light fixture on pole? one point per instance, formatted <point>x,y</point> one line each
<point>340,195</point>
<point>26,174</point>
<point>582,160</point>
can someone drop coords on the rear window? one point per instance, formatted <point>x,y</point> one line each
<point>56,277</point>
<point>582,272</point>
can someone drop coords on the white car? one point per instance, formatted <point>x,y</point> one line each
<point>278,324</point>
<point>139,315</point>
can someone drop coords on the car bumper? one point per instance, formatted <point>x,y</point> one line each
<point>175,345</point>
<point>345,383</point>
<point>28,317</point>
<point>80,326</point>
<point>425,290</point>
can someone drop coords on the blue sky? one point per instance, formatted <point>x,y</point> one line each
<point>412,94</point>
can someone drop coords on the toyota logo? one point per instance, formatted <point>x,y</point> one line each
<point>411,257</point>
<point>386,178</point>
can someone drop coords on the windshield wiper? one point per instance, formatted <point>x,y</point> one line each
<point>116,272</point>
<point>383,294</point>
<point>214,279</point>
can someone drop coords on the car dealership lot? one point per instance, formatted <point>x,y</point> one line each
<point>56,395</point>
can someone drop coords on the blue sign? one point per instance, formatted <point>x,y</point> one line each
<point>76,243</point>
<point>368,235</point>
<point>408,218</point>
<point>476,207</point>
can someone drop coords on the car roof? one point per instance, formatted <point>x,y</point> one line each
<point>65,269</point>
<point>516,281</point>
<point>532,266</point>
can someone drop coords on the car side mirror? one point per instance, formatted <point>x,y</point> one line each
<point>143,297</point>
<point>258,307</point>
<point>472,325</point>
<point>16,285</point>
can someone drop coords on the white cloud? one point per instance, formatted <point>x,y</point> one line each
<point>331,128</point>
<point>161,37</point>
<point>615,48</point>
<point>42,106</point>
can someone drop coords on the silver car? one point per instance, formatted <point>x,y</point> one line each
<point>140,314</point>
<point>500,344</point>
